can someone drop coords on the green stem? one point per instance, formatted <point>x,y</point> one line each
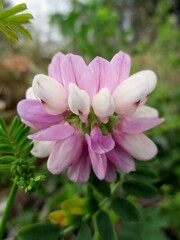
<point>7,210</point>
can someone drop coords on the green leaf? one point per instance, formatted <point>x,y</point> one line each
<point>20,18</point>
<point>13,10</point>
<point>26,149</point>
<point>101,187</point>
<point>7,158</point>
<point>105,227</point>
<point>125,209</point>
<point>9,33</point>
<point>21,30</point>
<point>5,166</point>
<point>139,189</point>
<point>3,125</point>
<point>84,233</point>
<point>14,124</point>
<point>39,231</point>
<point>20,132</point>
<point>6,149</point>
<point>145,175</point>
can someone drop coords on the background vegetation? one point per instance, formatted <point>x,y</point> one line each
<point>149,32</point>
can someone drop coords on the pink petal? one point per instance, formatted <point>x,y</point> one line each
<point>79,171</point>
<point>98,142</point>
<point>88,82</point>
<point>121,64</point>
<point>72,68</point>
<point>64,153</point>
<point>54,68</point>
<point>137,145</point>
<point>33,114</point>
<point>51,93</point>
<point>53,133</point>
<point>99,164</point>
<point>138,125</point>
<point>130,93</point>
<point>98,161</point>
<point>103,74</point>
<point>111,172</point>
<point>121,159</point>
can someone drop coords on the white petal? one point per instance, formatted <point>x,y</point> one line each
<point>42,149</point>
<point>79,101</point>
<point>145,111</point>
<point>133,91</point>
<point>30,94</point>
<point>51,93</point>
<point>103,103</point>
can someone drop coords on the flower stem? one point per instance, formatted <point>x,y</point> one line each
<point>7,210</point>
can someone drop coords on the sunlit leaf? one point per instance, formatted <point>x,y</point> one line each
<point>20,18</point>
<point>76,206</point>
<point>13,10</point>
<point>21,30</point>
<point>63,218</point>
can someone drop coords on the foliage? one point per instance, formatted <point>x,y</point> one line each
<point>15,156</point>
<point>11,23</point>
<point>130,208</point>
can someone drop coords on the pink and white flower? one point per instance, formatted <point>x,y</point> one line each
<point>91,116</point>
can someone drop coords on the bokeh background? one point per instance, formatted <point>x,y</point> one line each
<point>147,30</point>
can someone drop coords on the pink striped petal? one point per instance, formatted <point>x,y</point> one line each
<point>111,172</point>
<point>99,164</point>
<point>72,68</point>
<point>88,83</point>
<point>53,133</point>
<point>137,145</point>
<point>33,114</point>
<point>54,68</point>
<point>51,93</point>
<point>79,171</point>
<point>138,125</point>
<point>130,93</point>
<point>121,64</point>
<point>64,154</point>
<point>121,159</point>
<point>103,74</point>
<point>98,142</point>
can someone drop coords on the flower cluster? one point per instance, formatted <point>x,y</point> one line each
<point>90,116</point>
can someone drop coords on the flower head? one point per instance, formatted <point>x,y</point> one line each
<point>90,116</point>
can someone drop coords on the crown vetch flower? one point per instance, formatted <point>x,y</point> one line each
<point>90,116</point>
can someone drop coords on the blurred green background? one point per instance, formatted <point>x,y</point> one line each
<point>150,32</point>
